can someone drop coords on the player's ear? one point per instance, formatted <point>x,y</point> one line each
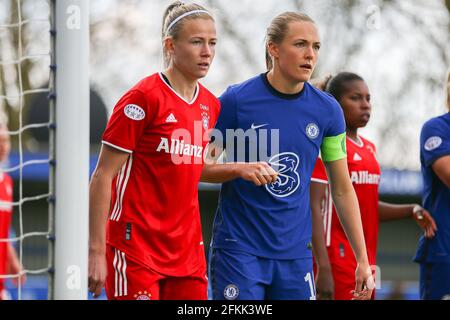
<point>273,49</point>
<point>169,46</point>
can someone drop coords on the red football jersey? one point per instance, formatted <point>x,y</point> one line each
<point>154,215</point>
<point>5,219</point>
<point>365,176</point>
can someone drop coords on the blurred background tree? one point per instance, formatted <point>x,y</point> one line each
<point>400,47</point>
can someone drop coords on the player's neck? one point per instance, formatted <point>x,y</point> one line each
<point>352,134</point>
<point>282,84</point>
<point>184,86</point>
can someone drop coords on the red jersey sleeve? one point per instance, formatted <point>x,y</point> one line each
<point>319,173</point>
<point>217,108</point>
<point>128,121</point>
<point>215,112</point>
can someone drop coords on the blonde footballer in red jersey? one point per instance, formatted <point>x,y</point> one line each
<point>145,232</point>
<point>9,262</point>
<point>335,261</point>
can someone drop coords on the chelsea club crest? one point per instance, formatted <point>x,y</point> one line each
<point>312,130</point>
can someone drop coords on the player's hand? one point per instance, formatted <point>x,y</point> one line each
<point>22,281</point>
<point>324,284</point>
<point>365,284</point>
<point>260,173</point>
<point>424,219</point>
<point>21,278</point>
<point>14,267</point>
<point>97,273</point>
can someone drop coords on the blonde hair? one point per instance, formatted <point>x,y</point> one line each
<point>278,28</point>
<point>172,13</point>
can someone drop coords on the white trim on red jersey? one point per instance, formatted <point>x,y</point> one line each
<point>124,175</point>
<point>120,276</point>
<point>359,143</point>
<point>319,180</point>
<point>116,147</point>
<point>197,90</point>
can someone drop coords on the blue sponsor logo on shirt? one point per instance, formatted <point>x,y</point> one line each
<point>286,164</point>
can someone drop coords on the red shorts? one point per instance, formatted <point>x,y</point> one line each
<point>344,278</point>
<point>128,280</point>
<point>2,290</point>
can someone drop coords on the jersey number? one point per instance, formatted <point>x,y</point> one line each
<point>309,279</point>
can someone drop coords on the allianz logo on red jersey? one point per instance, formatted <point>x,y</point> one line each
<point>364,177</point>
<point>179,147</point>
<point>185,146</point>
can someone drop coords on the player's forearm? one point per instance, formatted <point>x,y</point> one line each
<point>14,265</point>
<point>389,212</point>
<point>318,240</point>
<point>317,194</point>
<point>347,208</point>
<point>99,205</point>
<point>220,173</point>
<point>441,168</point>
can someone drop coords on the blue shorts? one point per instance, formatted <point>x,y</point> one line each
<point>435,281</point>
<point>236,275</point>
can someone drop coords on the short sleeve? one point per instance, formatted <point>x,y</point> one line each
<point>334,145</point>
<point>319,173</point>
<point>434,141</point>
<point>217,108</point>
<point>374,148</point>
<point>127,122</point>
<point>227,118</point>
<point>214,116</point>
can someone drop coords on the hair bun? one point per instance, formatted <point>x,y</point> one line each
<point>175,4</point>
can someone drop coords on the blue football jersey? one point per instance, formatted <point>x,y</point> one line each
<point>435,143</point>
<point>273,221</point>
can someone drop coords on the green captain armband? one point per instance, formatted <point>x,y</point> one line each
<point>334,148</point>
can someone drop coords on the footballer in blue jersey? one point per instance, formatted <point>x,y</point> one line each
<point>274,221</point>
<point>434,254</point>
<point>272,128</point>
<point>305,122</point>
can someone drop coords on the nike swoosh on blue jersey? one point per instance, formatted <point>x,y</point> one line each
<point>257,127</point>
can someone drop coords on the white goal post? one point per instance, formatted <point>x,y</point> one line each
<point>71,176</point>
